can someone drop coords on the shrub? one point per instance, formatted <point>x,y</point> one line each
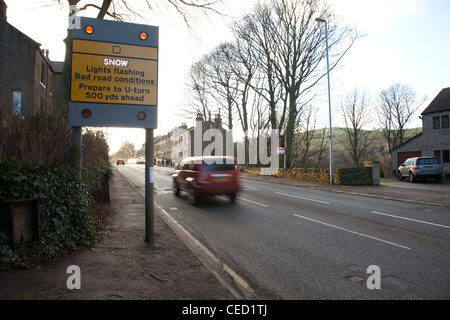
<point>65,201</point>
<point>39,137</point>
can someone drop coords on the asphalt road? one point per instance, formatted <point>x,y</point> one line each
<point>291,242</point>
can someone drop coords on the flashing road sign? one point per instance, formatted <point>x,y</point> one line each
<point>114,74</point>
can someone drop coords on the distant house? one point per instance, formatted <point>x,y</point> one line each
<point>435,137</point>
<point>29,81</point>
<point>184,140</point>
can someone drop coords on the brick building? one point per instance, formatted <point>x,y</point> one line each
<point>29,81</point>
<point>163,148</point>
<point>434,140</point>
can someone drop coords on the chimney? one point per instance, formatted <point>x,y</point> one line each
<point>218,121</point>
<point>3,7</point>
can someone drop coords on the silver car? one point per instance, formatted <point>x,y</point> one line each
<point>420,168</point>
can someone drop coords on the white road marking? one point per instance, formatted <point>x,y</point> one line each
<point>354,232</point>
<point>254,202</point>
<point>248,188</point>
<point>420,221</point>
<point>309,199</point>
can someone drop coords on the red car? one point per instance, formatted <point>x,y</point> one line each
<point>206,176</point>
<point>120,161</point>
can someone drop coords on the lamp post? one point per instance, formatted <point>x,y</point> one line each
<point>330,135</point>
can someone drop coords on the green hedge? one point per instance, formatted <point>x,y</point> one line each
<point>65,201</point>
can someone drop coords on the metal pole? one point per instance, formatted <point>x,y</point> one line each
<point>149,188</point>
<point>329,105</point>
<point>330,136</point>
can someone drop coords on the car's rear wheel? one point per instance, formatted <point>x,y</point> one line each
<point>192,197</point>
<point>232,197</point>
<point>438,179</point>
<point>175,188</point>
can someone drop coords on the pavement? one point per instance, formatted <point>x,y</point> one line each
<point>122,266</point>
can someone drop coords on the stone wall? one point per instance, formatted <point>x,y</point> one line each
<point>360,176</point>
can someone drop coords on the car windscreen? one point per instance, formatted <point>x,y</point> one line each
<point>219,167</point>
<point>426,161</point>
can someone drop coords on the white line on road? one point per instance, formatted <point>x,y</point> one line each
<point>247,188</point>
<point>420,221</point>
<point>309,199</point>
<point>259,204</point>
<point>354,232</point>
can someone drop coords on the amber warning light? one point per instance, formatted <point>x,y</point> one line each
<point>143,35</point>
<point>86,113</point>
<point>89,29</point>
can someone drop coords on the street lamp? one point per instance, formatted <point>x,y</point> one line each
<point>330,135</point>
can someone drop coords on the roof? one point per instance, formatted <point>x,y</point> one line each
<point>57,66</point>
<point>407,141</point>
<point>440,103</point>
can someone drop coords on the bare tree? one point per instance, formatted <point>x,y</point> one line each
<point>290,47</point>
<point>396,106</point>
<point>355,112</point>
<point>253,32</point>
<point>309,143</point>
<point>199,86</point>
<point>244,68</point>
<point>222,81</point>
<point>127,150</point>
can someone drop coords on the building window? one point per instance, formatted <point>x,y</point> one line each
<point>445,122</point>
<point>17,103</point>
<point>441,122</point>
<point>436,123</point>
<point>443,156</point>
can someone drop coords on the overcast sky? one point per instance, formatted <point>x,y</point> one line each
<point>406,42</point>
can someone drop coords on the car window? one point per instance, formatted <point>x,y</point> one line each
<point>191,165</point>
<point>219,167</point>
<point>197,166</point>
<point>186,165</point>
<point>426,161</point>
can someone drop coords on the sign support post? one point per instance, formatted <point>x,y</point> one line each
<point>149,188</point>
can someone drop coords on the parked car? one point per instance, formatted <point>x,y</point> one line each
<point>140,160</point>
<point>120,161</point>
<point>420,168</point>
<point>206,176</point>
